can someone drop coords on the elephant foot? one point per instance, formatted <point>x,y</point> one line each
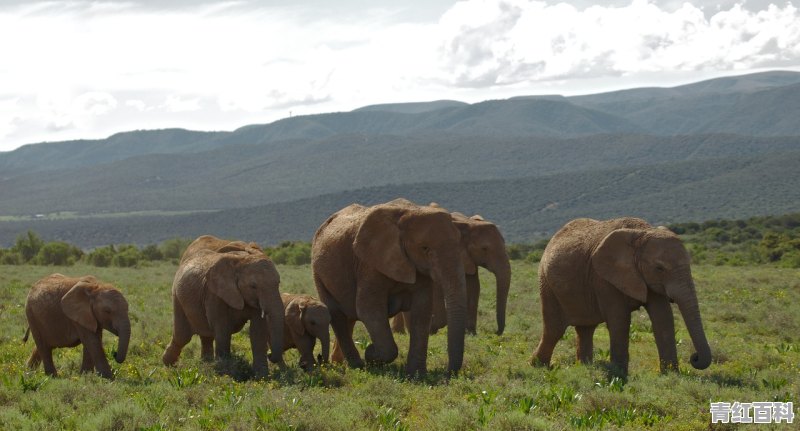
<point>416,372</point>
<point>471,331</point>
<point>537,362</point>
<point>169,357</point>
<point>372,355</point>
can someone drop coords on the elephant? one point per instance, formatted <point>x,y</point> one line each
<point>369,263</point>
<point>216,290</point>
<point>64,312</point>
<point>306,320</point>
<point>210,242</point>
<point>484,246</point>
<point>601,271</point>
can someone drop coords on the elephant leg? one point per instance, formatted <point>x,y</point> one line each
<point>343,346</point>
<point>585,343</point>
<point>207,348</point>
<point>419,330</point>
<point>87,366</point>
<point>619,326</point>
<point>258,345</point>
<point>399,322</point>
<point>222,341</point>
<point>34,359</point>
<point>93,343</point>
<point>439,312</point>
<point>305,345</point>
<point>473,294</point>
<point>371,301</point>
<point>181,334</point>
<point>554,326</point>
<point>660,312</point>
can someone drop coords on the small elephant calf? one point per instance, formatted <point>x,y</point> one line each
<point>306,319</point>
<point>65,312</point>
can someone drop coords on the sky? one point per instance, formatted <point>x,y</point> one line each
<point>88,69</point>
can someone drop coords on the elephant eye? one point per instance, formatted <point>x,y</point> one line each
<point>425,248</point>
<point>660,268</point>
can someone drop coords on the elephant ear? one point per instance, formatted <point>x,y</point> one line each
<point>378,244</point>
<point>77,305</point>
<point>221,280</point>
<point>614,261</point>
<point>232,246</point>
<point>294,317</point>
<point>470,268</point>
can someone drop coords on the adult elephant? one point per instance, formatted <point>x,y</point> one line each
<point>483,246</point>
<point>216,290</point>
<point>65,312</point>
<point>370,263</point>
<point>600,271</point>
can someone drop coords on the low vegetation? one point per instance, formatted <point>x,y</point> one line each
<point>773,240</point>
<point>750,314</point>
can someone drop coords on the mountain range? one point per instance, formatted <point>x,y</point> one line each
<point>728,147</point>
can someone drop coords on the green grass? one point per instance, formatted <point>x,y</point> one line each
<point>750,314</point>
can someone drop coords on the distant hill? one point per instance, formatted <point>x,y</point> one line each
<point>248,175</point>
<point>762,104</point>
<point>726,147</point>
<point>414,107</point>
<point>524,208</point>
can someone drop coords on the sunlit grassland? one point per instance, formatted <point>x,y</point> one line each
<point>751,315</point>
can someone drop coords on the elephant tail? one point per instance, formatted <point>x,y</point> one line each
<point>27,332</point>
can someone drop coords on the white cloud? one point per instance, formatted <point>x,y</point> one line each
<point>500,42</point>
<point>224,65</point>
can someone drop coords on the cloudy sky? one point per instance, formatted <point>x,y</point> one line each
<point>88,69</point>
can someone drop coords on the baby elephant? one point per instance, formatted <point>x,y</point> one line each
<point>65,312</point>
<point>306,320</point>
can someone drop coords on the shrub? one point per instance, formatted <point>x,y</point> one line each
<point>174,248</point>
<point>151,253</point>
<point>58,253</point>
<point>101,257</point>
<point>290,253</point>
<point>28,245</point>
<point>127,256</point>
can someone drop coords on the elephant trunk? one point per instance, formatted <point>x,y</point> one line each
<point>272,306</point>
<point>502,274</point>
<point>448,273</point>
<point>123,328</point>
<point>690,310</point>
<point>325,341</point>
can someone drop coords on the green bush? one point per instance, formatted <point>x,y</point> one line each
<point>127,256</point>
<point>102,256</point>
<point>152,252</point>
<point>174,248</point>
<point>290,253</point>
<point>58,253</point>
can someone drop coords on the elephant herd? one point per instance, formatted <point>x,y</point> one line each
<point>416,263</point>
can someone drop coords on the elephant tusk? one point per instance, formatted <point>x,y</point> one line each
<point>262,313</point>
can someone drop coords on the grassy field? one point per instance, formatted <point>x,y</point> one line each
<point>751,314</point>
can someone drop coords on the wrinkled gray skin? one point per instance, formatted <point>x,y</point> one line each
<point>306,320</point>
<point>370,263</point>
<point>484,246</point>
<point>66,312</point>
<point>216,290</point>
<point>600,271</point>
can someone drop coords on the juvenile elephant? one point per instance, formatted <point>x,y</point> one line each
<point>65,312</point>
<point>306,321</point>
<point>601,271</point>
<point>215,293</point>
<point>484,246</point>
<point>370,263</point>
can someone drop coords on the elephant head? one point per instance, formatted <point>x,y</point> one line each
<point>401,240</point>
<point>485,247</point>
<point>248,279</point>
<point>96,306</point>
<point>307,316</point>
<point>641,261</point>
